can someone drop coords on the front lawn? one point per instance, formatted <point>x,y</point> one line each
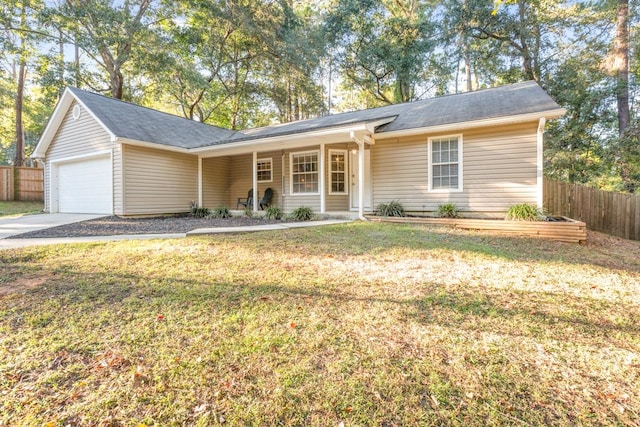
<point>360,324</point>
<point>16,208</point>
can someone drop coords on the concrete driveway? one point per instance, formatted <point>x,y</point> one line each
<point>11,226</point>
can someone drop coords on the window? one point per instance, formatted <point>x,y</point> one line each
<point>304,172</point>
<point>338,171</point>
<point>264,167</point>
<point>445,163</point>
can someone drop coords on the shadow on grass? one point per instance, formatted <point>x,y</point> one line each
<point>514,312</point>
<point>364,238</point>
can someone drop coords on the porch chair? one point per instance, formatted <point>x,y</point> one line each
<point>248,202</point>
<point>266,199</point>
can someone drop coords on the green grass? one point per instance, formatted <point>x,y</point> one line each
<point>366,324</point>
<point>17,208</point>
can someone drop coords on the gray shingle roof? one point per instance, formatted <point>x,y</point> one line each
<point>126,120</point>
<point>139,123</point>
<point>502,101</point>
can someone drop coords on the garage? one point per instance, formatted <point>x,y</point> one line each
<point>84,186</point>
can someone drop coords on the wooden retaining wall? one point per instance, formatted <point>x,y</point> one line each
<point>570,231</point>
<point>21,184</point>
<point>617,214</point>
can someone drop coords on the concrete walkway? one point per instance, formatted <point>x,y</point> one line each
<point>22,243</point>
<point>14,225</point>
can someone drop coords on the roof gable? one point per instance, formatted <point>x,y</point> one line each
<point>134,122</point>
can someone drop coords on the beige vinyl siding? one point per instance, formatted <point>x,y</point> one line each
<point>118,205</point>
<point>215,182</point>
<point>241,177</point>
<point>47,186</point>
<point>74,139</point>
<point>157,181</point>
<point>499,169</point>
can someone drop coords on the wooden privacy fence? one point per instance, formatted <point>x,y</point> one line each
<point>612,213</point>
<point>22,184</point>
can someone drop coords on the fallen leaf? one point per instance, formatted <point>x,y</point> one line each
<point>292,325</point>
<point>138,377</point>
<point>348,409</point>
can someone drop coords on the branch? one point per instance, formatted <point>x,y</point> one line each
<point>29,31</point>
<point>489,35</point>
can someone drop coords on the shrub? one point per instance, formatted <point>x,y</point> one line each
<point>523,212</point>
<point>392,208</point>
<point>220,212</point>
<point>248,211</point>
<point>273,212</point>
<point>302,214</point>
<point>198,212</point>
<point>448,210</point>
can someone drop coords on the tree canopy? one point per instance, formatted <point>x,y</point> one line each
<point>247,63</point>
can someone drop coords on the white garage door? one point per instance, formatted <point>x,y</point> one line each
<point>85,186</point>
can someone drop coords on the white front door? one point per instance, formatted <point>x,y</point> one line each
<point>355,188</point>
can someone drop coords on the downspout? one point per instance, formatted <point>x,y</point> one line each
<point>540,160</point>
<point>360,143</point>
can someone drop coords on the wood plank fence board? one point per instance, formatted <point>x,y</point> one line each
<point>617,214</point>
<point>21,183</point>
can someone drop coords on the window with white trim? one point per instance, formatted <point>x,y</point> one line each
<point>445,163</point>
<point>304,172</point>
<point>337,172</point>
<point>264,168</point>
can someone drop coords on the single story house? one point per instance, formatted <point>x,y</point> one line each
<point>480,150</point>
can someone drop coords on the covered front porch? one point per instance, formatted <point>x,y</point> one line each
<point>328,172</point>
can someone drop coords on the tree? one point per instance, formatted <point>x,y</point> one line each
<point>385,48</point>
<point>291,67</point>
<point>18,49</point>
<point>621,65</point>
<point>109,33</point>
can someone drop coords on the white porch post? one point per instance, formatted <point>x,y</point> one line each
<point>361,183</point>
<point>361,180</point>
<point>255,181</point>
<point>200,182</point>
<point>540,177</point>
<point>321,181</point>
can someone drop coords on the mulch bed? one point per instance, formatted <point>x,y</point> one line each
<point>113,225</point>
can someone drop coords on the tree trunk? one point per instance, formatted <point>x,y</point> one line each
<point>467,67</point>
<point>117,82</point>
<point>621,61</point>
<point>22,71</point>
<point>60,63</point>
<point>527,61</point>
<point>76,64</point>
<point>19,159</point>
